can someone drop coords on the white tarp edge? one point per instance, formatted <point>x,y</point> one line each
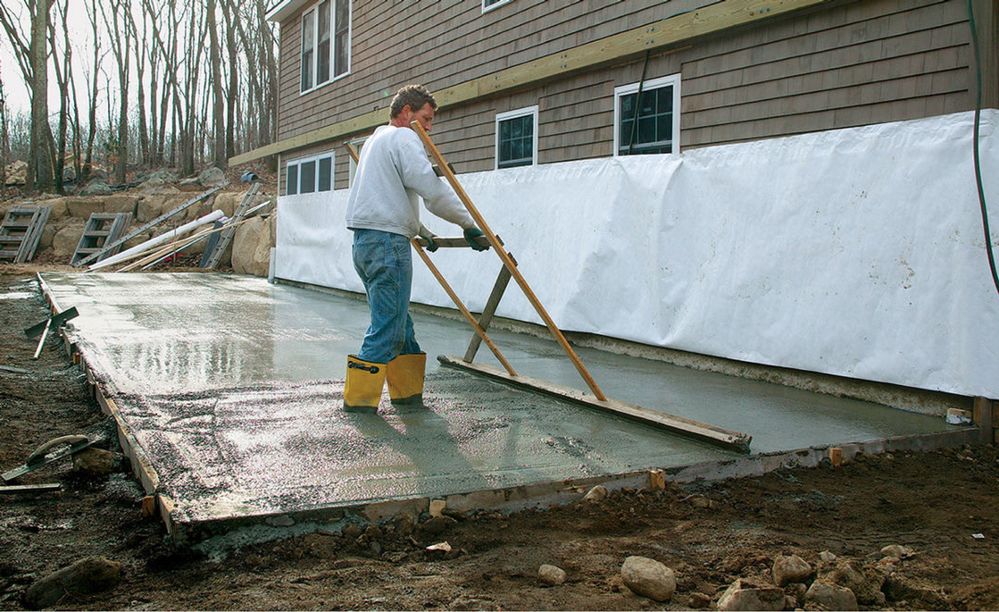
<point>855,252</point>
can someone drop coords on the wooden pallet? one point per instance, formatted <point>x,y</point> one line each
<point>225,236</point>
<point>21,231</point>
<point>102,229</point>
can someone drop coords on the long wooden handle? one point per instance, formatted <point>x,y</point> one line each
<point>507,261</point>
<point>461,306</point>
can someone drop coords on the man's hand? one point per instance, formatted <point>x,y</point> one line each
<point>431,243</point>
<point>471,236</point>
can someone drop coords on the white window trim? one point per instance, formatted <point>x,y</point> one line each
<point>520,112</point>
<point>298,161</point>
<point>674,80</point>
<point>315,37</point>
<point>486,9</point>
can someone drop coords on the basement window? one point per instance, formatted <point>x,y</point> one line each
<point>309,175</point>
<point>325,43</point>
<point>650,123</point>
<point>517,138</point>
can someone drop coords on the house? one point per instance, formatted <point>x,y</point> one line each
<point>524,82</point>
<point>798,190</point>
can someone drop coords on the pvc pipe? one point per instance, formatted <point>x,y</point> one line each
<point>162,238</point>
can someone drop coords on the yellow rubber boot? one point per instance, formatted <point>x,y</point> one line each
<point>405,379</point>
<point>363,388</point>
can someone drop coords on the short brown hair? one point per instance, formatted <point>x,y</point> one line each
<point>413,95</point>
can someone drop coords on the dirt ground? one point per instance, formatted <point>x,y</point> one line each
<point>710,534</point>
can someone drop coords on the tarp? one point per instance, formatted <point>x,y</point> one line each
<point>856,252</point>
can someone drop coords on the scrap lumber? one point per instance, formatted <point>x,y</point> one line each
<point>158,240</point>
<point>140,230</point>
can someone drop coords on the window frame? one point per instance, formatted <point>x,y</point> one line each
<point>298,161</point>
<point>632,88</point>
<point>495,5</point>
<point>516,114</point>
<point>333,77</point>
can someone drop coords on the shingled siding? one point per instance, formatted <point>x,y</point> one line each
<point>846,65</point>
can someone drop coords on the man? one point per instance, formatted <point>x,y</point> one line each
<point>383,212</point>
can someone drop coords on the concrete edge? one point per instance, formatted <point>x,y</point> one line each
<point>331,519</point>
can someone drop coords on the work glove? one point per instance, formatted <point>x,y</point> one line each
<point>471,234</point>
<point>429,236</point>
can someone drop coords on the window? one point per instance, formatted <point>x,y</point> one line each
<point>310,175</point>
<point>657,129</point>
<point>517,138</point>
<point>488,5</point>
<point>325,43</point>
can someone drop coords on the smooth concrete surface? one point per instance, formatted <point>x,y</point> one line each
<point>233,387</point>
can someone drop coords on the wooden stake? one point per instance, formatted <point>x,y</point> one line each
<point>507,261</point>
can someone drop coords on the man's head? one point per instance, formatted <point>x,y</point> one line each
<point>413,103</point>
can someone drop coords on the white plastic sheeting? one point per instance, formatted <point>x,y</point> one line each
<point>855,252</point>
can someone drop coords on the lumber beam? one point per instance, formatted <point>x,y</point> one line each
<point>732,440</point>
<point>654,36</point>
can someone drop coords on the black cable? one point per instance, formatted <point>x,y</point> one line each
<point>978,165</point>
<point>638,103</point>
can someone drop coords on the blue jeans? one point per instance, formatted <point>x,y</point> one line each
<point>384,261</point>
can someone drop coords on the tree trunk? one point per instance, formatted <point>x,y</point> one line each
<point>40,162</point>
<point>228,11</point>
<point>218,108</point>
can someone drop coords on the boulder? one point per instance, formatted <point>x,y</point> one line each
<point>152,206</point>
<point>551,575</point>
<point>790,568</point>
<point>830,596</point>
<point>48,235</point>
<point>212,177</point>
<point>896,551</point>
<point>83,207</point>
<point>596,494</point>
<point>137,240</point>
<point>121,203</point>
<point>746,595</point>
<point>96,187</point>
<point>16,173</point>
<point>90,575</point>
<point>649,578</point>
<point>57,208</point>
<point>251,246</point>
<point>866,586</point>
<point>66,240</point>
<point>227,201</point>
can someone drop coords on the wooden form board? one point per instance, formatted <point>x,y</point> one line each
<point>732,440</point>
<point>674,30</point>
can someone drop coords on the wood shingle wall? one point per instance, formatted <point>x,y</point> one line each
<point>843,64</point>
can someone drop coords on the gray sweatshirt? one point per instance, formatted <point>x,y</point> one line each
<point>392,171</point>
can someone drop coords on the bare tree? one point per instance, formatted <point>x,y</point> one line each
<point>218,107</point>
<point>31,53</point>
<point>92,108</point>
<point>121,35</point>
<point>140,69</point>
<point>228,12</point>
<point>62,71</point>
<point>4,138</point>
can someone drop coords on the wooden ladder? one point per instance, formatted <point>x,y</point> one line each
<point>225,236</point>
<point>102,229</point>
<point>21,231</point>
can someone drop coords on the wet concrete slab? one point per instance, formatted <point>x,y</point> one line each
<point>232,388</point>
